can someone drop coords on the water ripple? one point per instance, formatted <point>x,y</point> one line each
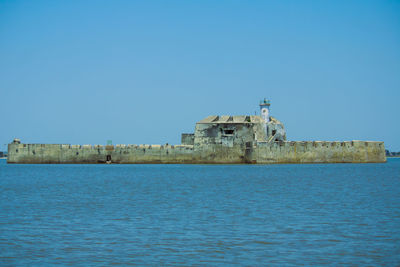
<point>324,214</point>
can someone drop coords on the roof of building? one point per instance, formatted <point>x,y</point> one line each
<point>232,119</point>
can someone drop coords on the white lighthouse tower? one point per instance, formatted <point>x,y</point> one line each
<point>264,112</point>
<point>264,109</point>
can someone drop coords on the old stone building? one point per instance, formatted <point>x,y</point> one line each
<point>234,130</point>
<point>216,139</point>
<point>229,130</point>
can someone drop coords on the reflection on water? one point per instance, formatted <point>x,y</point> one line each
<point>200,214</point>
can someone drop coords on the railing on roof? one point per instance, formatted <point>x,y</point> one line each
<point>265,102</point>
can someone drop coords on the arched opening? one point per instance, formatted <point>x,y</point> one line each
<point>108,158</point>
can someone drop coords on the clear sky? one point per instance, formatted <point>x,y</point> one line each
<point>143,72</point>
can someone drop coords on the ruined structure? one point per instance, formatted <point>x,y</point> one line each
<point>216,139</point>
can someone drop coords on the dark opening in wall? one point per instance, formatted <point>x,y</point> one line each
<point>229,132</point>
<point>215,119</point>
<point>273,132</point>
<point>108,158</point>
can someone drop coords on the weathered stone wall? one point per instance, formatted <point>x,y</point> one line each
<point>229,135</point>
<point>259,152</point>
<point>50,153</point>
<point>187,139</point>
<point>224,143</point>
<point>318,152</point>
<point>276,130</point>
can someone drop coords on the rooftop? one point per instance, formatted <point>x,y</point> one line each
<point>232,119</point>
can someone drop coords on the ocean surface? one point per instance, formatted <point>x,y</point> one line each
<point>314,214</point>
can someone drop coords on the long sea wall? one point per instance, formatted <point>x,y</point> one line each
<point>317,152</point>
<point>81,154</point>
<point>256,153</point>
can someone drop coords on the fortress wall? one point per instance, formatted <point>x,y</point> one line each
<point>184,153</point>
<point>53,153</point>
<point>224,143</point>
<point>219,154</point>
<point>153,154</point>
<point>78,154</point>
<point>318,152</point>
<point>81,154</point>
<point>261,152</point>
<point>33,153</point>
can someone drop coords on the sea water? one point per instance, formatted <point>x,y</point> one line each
<point>311,214</point>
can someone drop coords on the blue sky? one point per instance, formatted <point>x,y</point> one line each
<point>143,72</point>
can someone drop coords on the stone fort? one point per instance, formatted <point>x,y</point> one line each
<point>216,140</point>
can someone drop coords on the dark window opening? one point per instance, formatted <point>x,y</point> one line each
<point>273,132</point>
<point>16,150</point>
<point>230,132</point>
<point>108,158</point>
<point>215,119</point>
<point>77,153</point>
